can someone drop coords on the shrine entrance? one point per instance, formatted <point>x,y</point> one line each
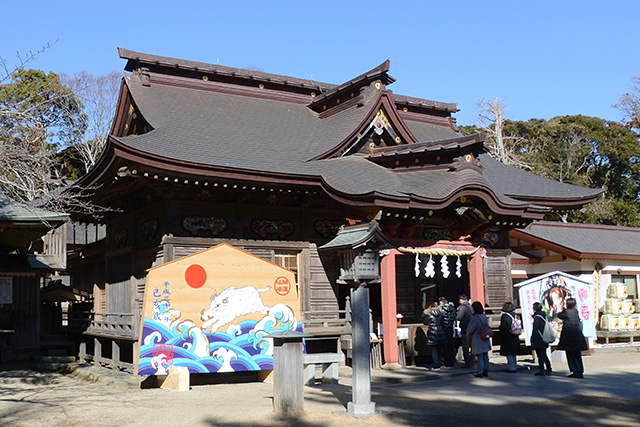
<point>416,290</point>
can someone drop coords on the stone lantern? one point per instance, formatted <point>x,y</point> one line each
<point>358,248</point>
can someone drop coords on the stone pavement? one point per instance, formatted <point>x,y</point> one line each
<point>609,395</point>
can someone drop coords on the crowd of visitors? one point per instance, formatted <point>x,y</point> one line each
<point>467,327</point>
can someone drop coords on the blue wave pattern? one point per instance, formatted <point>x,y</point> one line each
<point>245,349</point>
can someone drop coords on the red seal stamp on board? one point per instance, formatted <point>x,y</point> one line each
<point>282,286</point>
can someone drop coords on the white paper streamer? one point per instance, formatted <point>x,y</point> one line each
<point>444,265</point>
<point>429,269</point>
<point>417,265</point>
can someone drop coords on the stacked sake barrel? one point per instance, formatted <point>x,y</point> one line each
<point>620,311</point>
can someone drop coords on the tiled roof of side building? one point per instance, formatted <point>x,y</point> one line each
<point>588,238</point>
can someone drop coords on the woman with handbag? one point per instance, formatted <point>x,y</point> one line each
<point>571,338</point>
<point>538,344</point>
<point>509,336</point>
<point>480,346</point>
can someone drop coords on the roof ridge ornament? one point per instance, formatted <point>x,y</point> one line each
<point>378,127</point>
<point>466,161</point>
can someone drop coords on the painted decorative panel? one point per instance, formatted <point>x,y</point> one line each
<point>266,228</point>
<point>212,312</point>
<point>201,224</point>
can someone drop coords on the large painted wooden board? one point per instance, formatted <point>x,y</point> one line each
<point>552,290</point>
<point>211,312</point>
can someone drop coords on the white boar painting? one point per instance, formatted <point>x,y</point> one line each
<point>211,312</point>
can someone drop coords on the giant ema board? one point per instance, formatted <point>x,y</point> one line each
<point>552,290</point>
<point>212,312</point>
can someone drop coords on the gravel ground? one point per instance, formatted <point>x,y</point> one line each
<point>609,395</point>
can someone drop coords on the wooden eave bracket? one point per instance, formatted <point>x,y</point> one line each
<point>431,146</point>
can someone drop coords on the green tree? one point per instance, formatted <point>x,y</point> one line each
<point>585,151</point>
<point>39,116</point>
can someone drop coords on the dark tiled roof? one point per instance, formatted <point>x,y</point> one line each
<point>138,59</point>
<point>13,212</point>
<point>208,124</point>
<point>587,238</point>
<point>354,236</point>
<point>527,186</point>
<point>425,103</point>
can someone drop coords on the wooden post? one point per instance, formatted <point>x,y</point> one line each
<point>288,387</point>
<point>389,310</point>
<point>97,351</point>
<point>178,379</point>
<point>476,277</point>
<point>115,355</point>
<point>82,352</point>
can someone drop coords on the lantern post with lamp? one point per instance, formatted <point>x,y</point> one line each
<point>358,247</point>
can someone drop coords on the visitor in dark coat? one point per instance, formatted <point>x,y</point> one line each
<point>448,319</point>
<point>509,343</point>
<point>435,334</point>
<point>539,319</point>
<point>571,338</point>
<point>464,317</point>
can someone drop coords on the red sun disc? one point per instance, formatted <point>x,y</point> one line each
<point>195,276</point>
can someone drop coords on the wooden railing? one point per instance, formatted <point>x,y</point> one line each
<point>122,325</point>
<point>334,321</point>
<point>55,244</point>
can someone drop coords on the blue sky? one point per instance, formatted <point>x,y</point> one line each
<point>544,58</point>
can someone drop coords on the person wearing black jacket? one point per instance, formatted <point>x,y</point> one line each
<point>435,334</point>
<point>571,338</point>
<point>539,320</point>
<point>464,317</point>
<point>448,318</point>
<point>509,343</point>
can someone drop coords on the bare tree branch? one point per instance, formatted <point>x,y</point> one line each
<point>99,96</point>
<point>23,59</point>
<point>491,121</point>
<point>629,105</point>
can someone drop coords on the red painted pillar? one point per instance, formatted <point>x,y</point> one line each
<point>389,310</point>
<point>476,277</point>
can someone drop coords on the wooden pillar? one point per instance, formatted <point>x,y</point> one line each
<point>97,351</point>
<point>389,310</point>
<point>136,354</point>
<point>476,277</point>
<point>82,352</point>
<point>115,355</point>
